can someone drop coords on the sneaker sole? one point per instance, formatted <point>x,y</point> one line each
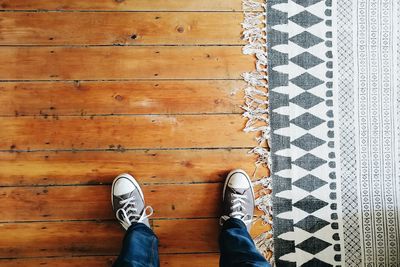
<point>133,180</point>
<point>228,177</point>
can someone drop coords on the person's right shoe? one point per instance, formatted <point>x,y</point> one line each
<point>128,201</point>
<point>238,198</point>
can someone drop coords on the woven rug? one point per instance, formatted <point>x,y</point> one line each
<point>333,128</point>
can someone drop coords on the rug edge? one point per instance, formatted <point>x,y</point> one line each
<point>256,110</point>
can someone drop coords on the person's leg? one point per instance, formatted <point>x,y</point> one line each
<point>140,244</point>
<point>236,246</point>
<point>139,248</point>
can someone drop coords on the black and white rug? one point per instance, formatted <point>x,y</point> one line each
<point>333,71</point>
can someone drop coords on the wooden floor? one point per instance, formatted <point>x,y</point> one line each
<point>93,88</point>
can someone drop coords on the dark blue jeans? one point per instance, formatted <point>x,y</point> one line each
<point>140,247</point>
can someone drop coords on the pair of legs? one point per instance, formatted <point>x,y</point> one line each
<point>140,244</point>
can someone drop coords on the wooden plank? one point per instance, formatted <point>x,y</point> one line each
<point>171,260</point>
<point>93,202</point>
<point>128,62</point>
<point>88,261</point>
<point>163,166</point>
<point>43,239</point>
<point>201,235</point>
<point>123,132</point>
<point>121,5</point>
<point>59,239</point>
<point>137,97</point>
<point>108,28</point>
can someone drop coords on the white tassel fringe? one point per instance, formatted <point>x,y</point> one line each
<point>256,109</point>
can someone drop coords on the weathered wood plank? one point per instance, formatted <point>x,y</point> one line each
<point>89,261</point>
<point>171,260</point>
<point>154,166</point>
<point>50,130</point>
<point>183,131</point>
<point>201,235</point>
<point>137,97</point>
<point>108,28</point>
<point>93,202</point>
<point>42,239</point>
<point>128,5</point>
<point>117,62</point>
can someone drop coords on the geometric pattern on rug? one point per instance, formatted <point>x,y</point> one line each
<point>376,73</point>
<point>333,69</point>
<point>334,117</point>
<point>369,130</point>
<point>303,146</point>
<point>347,137</point>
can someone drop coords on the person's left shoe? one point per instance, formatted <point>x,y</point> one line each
<point>238,198</point>
<point>128,201</point>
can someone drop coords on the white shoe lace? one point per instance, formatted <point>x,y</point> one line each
<point>128,213</point>
<point>238,201</point>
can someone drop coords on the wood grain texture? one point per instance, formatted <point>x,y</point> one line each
<point>107,63</point>
<point>109,28</point>
<point>89,261</point>
<point>171,260</point>
<point>149,166</point>
<point>123,132</point>
<point>43,239</point>
<point>91,89</point>
<point>135,97</point>
<point>123,5</point>
<point>93,202</point>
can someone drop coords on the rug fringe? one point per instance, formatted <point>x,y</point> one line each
<point>256,109</point>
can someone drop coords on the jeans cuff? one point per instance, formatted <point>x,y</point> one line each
<point>233,223</point>
<point>140,227</point>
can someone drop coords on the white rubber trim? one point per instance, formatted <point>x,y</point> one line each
<point>130,178</point>
<point>228,177</point>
